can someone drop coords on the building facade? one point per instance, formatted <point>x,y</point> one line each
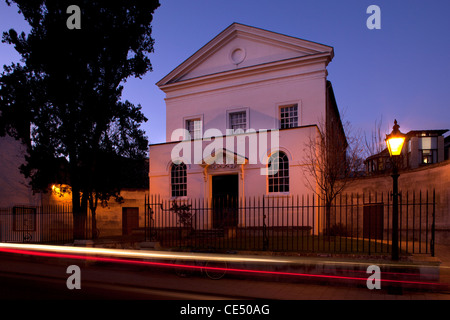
<point>424,147</point>
<point>239,113</point>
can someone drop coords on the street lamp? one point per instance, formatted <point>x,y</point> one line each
<point>394,142</point>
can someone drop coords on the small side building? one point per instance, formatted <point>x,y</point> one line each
<point>421,148</point>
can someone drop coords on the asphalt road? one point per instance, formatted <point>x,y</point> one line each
<point>28,279</point>
<point>26,287</point>
<point>45,278</point>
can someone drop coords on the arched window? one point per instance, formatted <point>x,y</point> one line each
<point>178,180</point>
<point>279,172</point>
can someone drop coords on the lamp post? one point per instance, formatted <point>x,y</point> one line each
<point>394,142</point>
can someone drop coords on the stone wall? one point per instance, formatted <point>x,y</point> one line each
<point>425,179</point>
<point>109,218</point>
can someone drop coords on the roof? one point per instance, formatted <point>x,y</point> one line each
<point>436,132</point>
<point>384,153</point>
<point>295,46</point>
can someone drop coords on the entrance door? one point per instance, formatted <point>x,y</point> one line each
<point>373,221</point>
<point>130,220</point>
<point>225,200</point>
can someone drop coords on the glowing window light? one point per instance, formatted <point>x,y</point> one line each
<point>61,190</point>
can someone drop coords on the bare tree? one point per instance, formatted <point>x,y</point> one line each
<point>331,160</point>
<point>376,143</point>
<point>376,147</point>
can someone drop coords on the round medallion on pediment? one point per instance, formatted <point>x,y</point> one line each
<point>237,55</point>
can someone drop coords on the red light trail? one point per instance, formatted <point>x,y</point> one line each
<point>177,265</point>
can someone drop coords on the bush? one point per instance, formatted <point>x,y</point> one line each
<point>338,230</point>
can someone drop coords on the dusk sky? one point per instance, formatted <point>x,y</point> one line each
<point>401,71</point>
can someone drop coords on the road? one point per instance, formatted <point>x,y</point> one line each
<point>45,278</point>
<point>26,287</point>
<point>25,278</point>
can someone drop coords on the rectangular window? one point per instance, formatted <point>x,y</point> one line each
<point>429,156</point>
<point>428,143</point>
<point>24,219</point>
<point>238,120</point>
<point>380,165</point>
<point>289,116</point>
<point>194,126</point>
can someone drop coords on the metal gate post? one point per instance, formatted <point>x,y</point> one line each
<point>433,227</point>
<point>265,238</point>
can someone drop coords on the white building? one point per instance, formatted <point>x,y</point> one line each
<point>271,86</point>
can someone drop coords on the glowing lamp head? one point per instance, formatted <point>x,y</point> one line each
<point>395,141</point>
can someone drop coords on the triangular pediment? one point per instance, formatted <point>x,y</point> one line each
<point>224,156</point>
<point>240,46</point>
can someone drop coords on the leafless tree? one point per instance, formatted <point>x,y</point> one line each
<point>376,143</point>
<point>331,160</point>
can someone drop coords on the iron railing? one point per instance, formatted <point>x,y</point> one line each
<point>353,223</point>
<point>39,224</point>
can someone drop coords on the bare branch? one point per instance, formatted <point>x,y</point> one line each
<point>376,143</point>
<point>332,158</point>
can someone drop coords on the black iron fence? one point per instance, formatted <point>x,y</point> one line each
<point>39,224</point>
<point>353,223</point>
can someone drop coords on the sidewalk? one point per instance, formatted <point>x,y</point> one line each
<point>443,255</point>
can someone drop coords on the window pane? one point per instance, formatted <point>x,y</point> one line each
<point>289,117</point>
<point>178,180</point>
<point>429,156</point>
<point>24,219</point>
<point>428,143</point>
<point>194,127</point>
<point>278,173</point>
<point>238,120</point>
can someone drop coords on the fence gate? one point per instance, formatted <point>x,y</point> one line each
<point>38,224</point>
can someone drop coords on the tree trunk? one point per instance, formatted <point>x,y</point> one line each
<point>327,218</point>
<point>93,201</point>
<point>94,225</point>
<point>79,206</point>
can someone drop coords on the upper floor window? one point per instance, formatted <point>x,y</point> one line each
<point>428,150</point>
<point>24,219</point>
<point>178,180</point>
<point>278,173</point>
<point>194,127</point>
<point>238,120</point>
<point>429,156</point>
<point>289,116</point>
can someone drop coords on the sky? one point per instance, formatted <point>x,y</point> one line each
<point>400,71</point>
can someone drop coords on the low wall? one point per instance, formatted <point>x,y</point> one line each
<point>425,179</point>
<point>109,218</point>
